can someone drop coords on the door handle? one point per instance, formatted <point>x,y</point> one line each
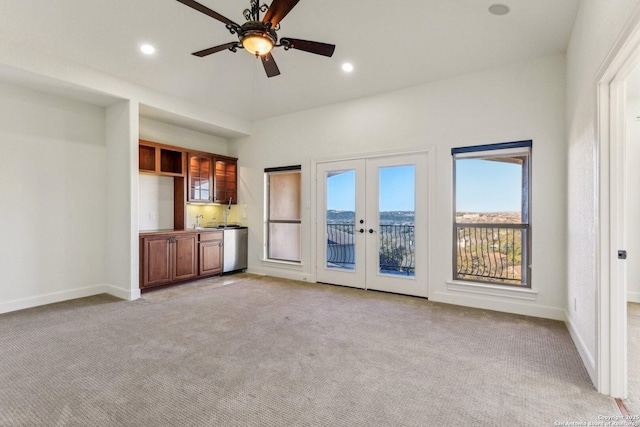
<point>371,231</point>
<point>361,230</point>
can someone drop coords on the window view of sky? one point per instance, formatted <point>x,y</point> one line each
<point>481,186</point>
<point>396,188</point>
<point>488,186</point>
<point>341,191</point>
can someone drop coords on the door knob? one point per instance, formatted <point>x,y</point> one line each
<point>361,230</point>
<point>371,231</point>
<point>362,221</point>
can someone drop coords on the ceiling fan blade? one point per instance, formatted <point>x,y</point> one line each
<point>278,10</point>
<point>214,49</point>
<point>215,15</point>
<point>309,46</point>
<point>270,66</point>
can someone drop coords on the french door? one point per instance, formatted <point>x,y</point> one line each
<point>372,223</point>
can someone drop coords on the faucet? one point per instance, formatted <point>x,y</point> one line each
<point>225,214</point>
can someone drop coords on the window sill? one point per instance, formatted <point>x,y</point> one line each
<point>290,265</point>
<point>492,290</point>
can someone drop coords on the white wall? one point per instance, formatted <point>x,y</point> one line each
<point>522,101</point>
<point>121,138</point>
<point>597,26</point>
<point>52,198</point>
<point>632,158</point>
<point>155,208</point>
<point>152,130</point>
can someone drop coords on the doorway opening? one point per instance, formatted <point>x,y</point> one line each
<point>613,212</point>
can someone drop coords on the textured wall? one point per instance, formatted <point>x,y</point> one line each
<point>597,26</point>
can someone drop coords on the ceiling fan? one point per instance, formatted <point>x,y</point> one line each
<point>259,36</point>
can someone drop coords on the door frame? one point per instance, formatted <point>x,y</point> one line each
<point>610,210</point>
<point>431,199</point>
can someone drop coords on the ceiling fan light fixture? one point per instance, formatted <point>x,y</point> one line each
<point>257,38</point>
<point>257,45</point>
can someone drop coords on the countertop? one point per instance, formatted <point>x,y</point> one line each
<point>186,231</point>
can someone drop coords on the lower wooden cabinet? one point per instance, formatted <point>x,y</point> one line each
<point>168,258</point>
<point>211,253</point>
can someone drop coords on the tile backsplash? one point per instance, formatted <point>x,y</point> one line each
<point>155,209</point>
<point>211,215</point>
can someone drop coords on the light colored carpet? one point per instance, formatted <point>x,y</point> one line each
<point>271,352</point>
<point>632,403</point>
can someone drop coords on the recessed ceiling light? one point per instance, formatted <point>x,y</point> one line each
<point>499,9</point>
<point>347,67</point>
<point>147,49</point>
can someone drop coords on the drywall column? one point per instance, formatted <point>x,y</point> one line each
<point>122,199</point>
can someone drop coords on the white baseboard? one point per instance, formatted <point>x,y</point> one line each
<point>633,296</point>
<point>511,306</point>
<point>282,273</point>
<point>587,357</point>
<point>124,294</point>
<point>50,298</point>
<point>53,297</point>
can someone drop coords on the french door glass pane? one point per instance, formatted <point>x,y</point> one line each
<point>341,206</point>
<point>396,205</point>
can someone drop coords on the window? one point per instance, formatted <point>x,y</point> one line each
<point>491,230</point>
<point>284,227</point>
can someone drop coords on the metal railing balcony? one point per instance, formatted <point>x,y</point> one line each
<point>396,247</point>
<point>493,253</point>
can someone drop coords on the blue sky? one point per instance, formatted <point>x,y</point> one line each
<point>486,186</point>
<point>481,186</point>
<point>341,191</point>
<point>397,189</point>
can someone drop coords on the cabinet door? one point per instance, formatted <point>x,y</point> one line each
<point>225,181</point>
<point>210,258</point>
<point>156,261</point>
<point>185,257</point>
<point>159,159</point>
<point>200,178</point>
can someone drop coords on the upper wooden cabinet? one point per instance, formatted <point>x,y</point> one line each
<point>226,180</point>
<point>210,178</point>
<point>200,178</point>
<point>160,159</point>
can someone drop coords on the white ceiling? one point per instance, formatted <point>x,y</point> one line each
<point>391,44</point>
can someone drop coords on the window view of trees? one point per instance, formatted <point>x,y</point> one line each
<point>491,230</point>
<point>489,247</point>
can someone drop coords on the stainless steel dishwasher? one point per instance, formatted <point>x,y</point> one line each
<point>236,245</point>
